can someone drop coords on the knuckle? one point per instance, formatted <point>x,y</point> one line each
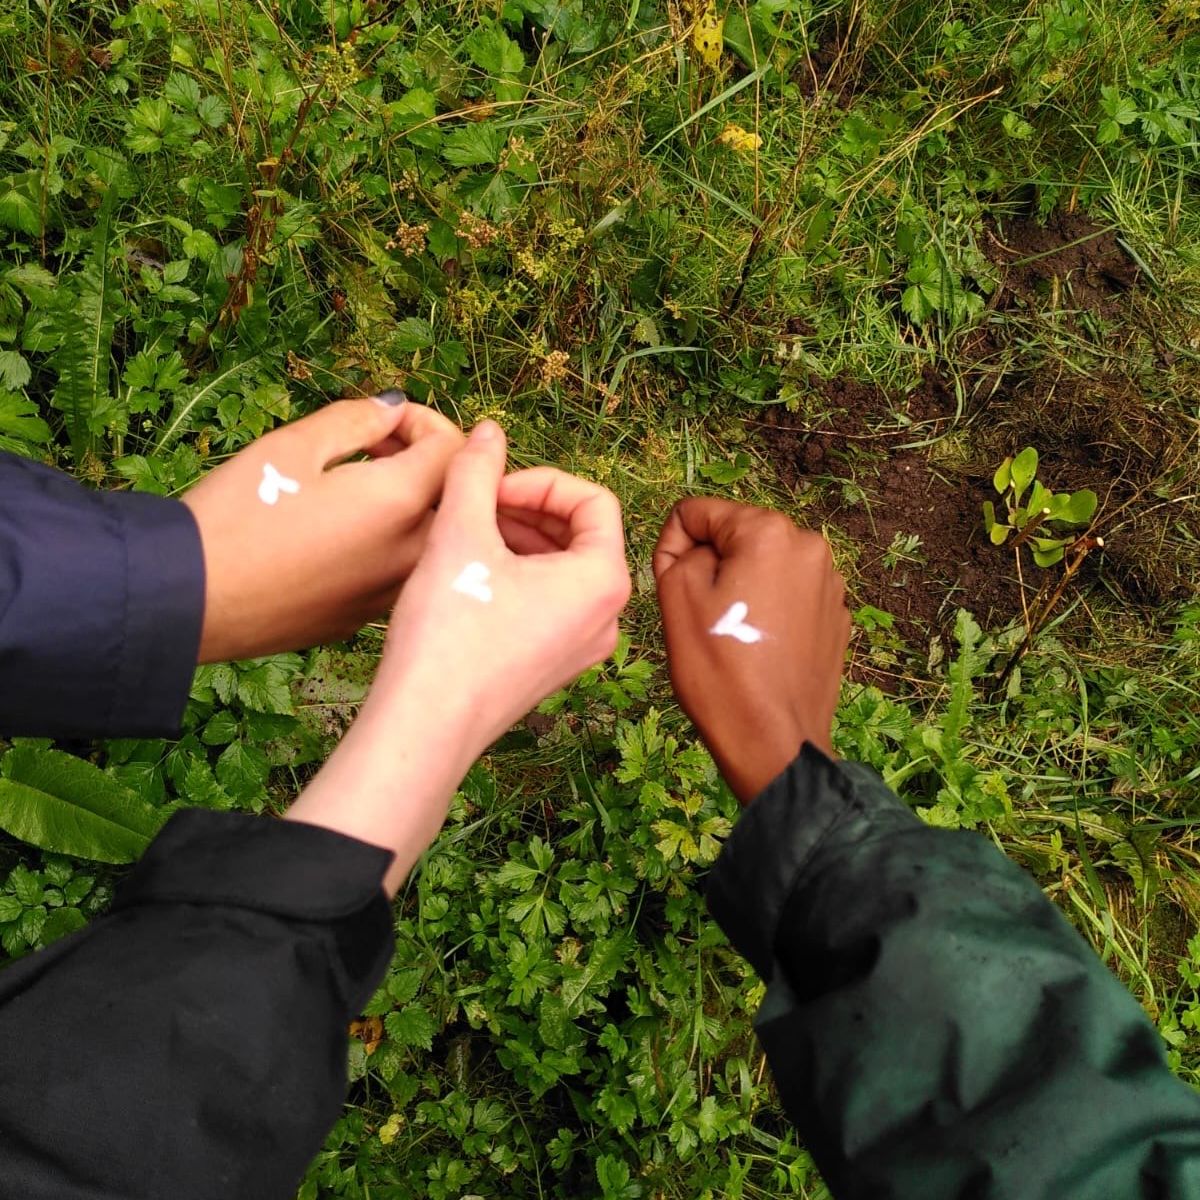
<point>351,412</point>
<point>616,589</point>
<point>814,549</point>
<point>774,529</point>
<point>440,427</point>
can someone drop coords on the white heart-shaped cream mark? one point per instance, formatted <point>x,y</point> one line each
<point>273,483</point>
<point>733,624</point>
<point>473,581</point>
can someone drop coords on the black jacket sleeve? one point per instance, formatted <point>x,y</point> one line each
<point>935,1027</point>
<point>101,604</point>
<point>191,1044</point>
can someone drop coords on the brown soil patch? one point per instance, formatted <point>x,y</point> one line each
<point>876,490</point>
<point>1072,262</point>
<point>881,489</point>
<point>1102,433</point>
<point>876,495</point>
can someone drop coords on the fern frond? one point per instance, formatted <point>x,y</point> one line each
<point>83,322</point>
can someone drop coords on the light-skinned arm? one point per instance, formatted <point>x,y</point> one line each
<point>547,551</point>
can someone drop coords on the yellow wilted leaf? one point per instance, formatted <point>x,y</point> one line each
<point>369,1031</point>
<point>739,139</point>
<point>707,37</point>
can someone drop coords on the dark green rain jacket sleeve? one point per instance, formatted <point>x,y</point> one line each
<point>935,1027</point>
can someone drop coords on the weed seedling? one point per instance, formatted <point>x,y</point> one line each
<point>1036,518</point>
<point>905,548</point>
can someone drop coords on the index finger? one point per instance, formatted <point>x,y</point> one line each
<point>591,513</point>
<point>703,521</point>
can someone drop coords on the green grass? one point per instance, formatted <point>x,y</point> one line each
<point>218,214</point>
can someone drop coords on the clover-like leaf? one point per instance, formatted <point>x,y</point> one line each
<point>1081,507</point>
<point>1040,499</point>
<point>1003,476</point>
<point>1024,470</point>
<point>1047,558</point>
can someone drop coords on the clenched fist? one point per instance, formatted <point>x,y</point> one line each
<point>757,628</point>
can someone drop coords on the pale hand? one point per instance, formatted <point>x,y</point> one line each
<point>301,546</point>
<point>518,591</point>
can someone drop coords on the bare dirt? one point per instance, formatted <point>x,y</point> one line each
<point>913,512</point>
<point>875,491</point>
<point>1072,262</point>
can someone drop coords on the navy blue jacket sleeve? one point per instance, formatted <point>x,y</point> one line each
<point>191,1044</point>
<point>101,604</point>
<point>936,1029</point>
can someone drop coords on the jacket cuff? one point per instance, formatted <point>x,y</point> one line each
<point>164,612</point>
<point>287,869</point>
<point>766,856</point>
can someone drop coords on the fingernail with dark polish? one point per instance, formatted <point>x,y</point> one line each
<point>392,398</point>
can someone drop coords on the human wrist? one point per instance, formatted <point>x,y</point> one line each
<point>391,779</point>
<point>758,754</point>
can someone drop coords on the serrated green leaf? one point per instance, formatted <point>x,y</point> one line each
<point>264,688</point>
<point>60,923</point>
<point>200,244</point>
<point>411,1027</point>
<point>224,681</point>
<point>517,875</point>
<point>85,317</point>
<point>14,370</point>
<point>28,886</point>
<point>617,1107</point>
<point>20,426</point>
<point>413,116</point>
<point>61,803</point>
<point>78,887</point>
<point>413,333</point>
<point>10,907</point>
<point>220,730</point>
<point>213,111</point>
<point>18,210</point>
<point>1120,109</point>
<point>152,114</point>
<point>474,145</point>
<point>402,986</point>
<point>181,90</point>
<point>242,771</point>
<point>919,302</point>
<point>493,51</point>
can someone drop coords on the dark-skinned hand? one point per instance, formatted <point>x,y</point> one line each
<point>769,682</point>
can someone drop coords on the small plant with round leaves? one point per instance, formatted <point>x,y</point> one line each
<point>1032,514</point>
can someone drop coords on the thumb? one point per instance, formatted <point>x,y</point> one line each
<point>469,497</point>
<point>342,429</point>
<point>691,575</point>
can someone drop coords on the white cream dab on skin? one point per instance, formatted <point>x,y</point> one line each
<point>733,624</point>
<point>273,484</point>
<point>473,581</point>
